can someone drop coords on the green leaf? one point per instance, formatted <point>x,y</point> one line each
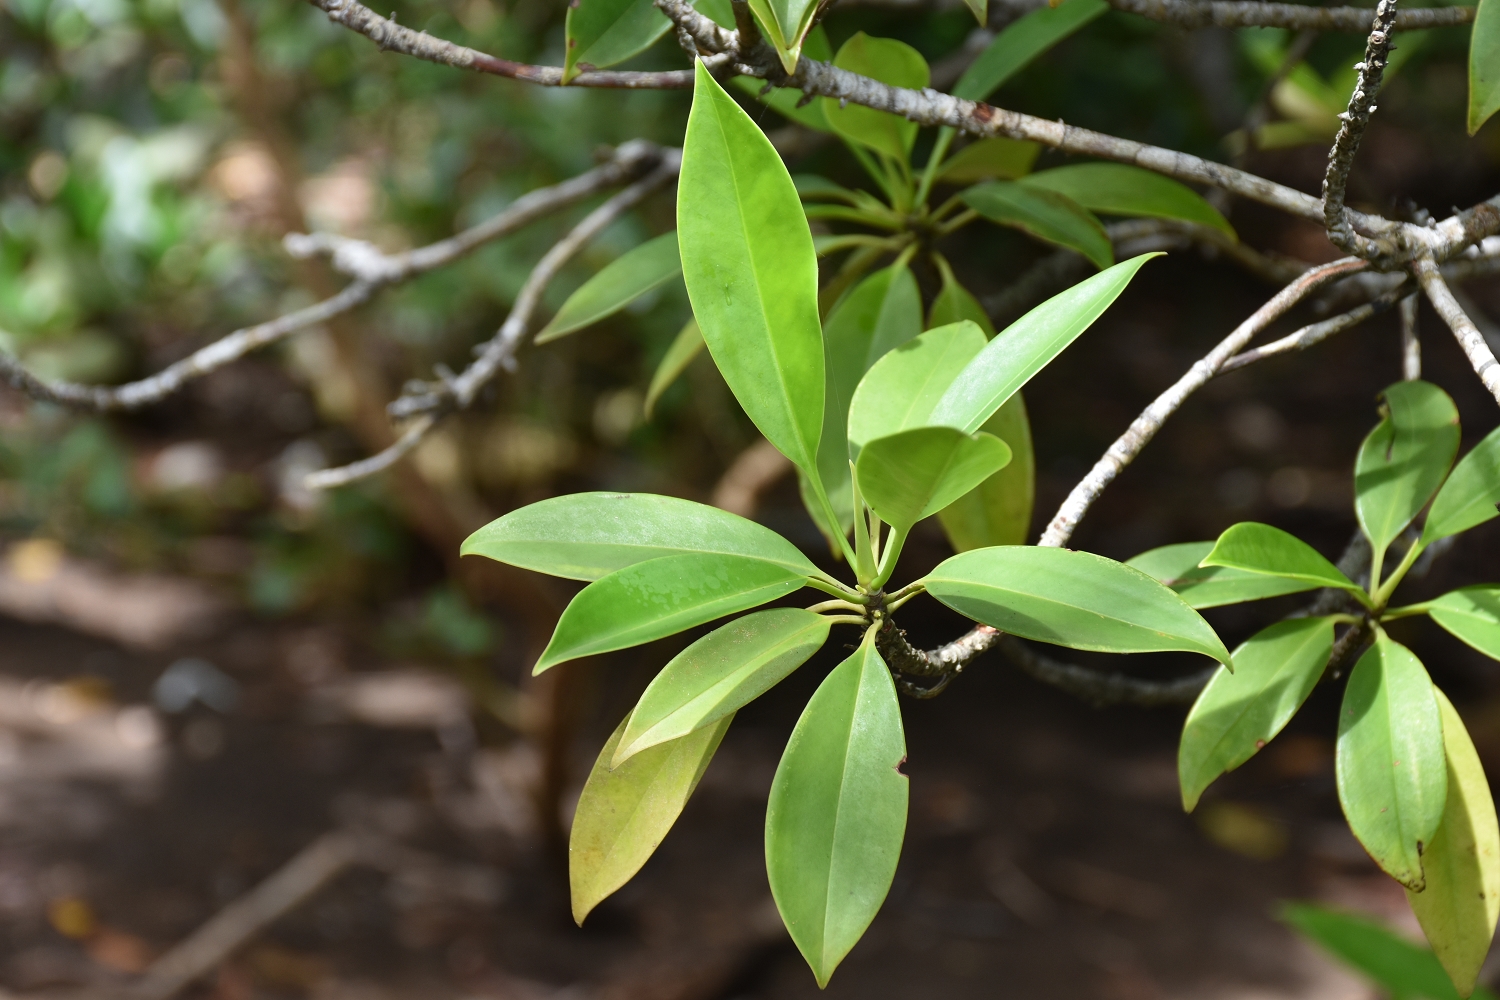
<point>980,10</point>
<point>661,597</point>
<point>1047,215</point>
<point>584,536</point>
<point>882,312</point>
<point>1027,345</point>
<point>837,812</point>
<point>954,302</point>
<point>602,33</point>
<point>623,814</point>
<point>620,283</point>
<point>785,101</point>
<point>998,510</point>
<point>1484,65</point>
<point>1239,713</point>
<point>1392,776</point>
<point>988,159</point>
<point>908,476</point>
<point>751,272</point>
<point>1070,598</point>
<point>1404,459</point>
<point>1120,189</point>
<point>1406,970</point>
<point>1473,615</point>
<point>786,24</point>
<point>1458,908</point>
<point>888,61</point>
<point>686,346</point>
<point>1022,42</point>
<point>1178,567</point>
<point>899,391</point>
<point>1471,495</point>
<point>1260,548</point>
<point>717,675</point>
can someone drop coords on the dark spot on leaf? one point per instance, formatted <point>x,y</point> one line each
<point>897,768</point>
<point>1260,744</point>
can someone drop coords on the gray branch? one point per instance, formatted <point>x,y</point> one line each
<point>1355,119</point>
<point>430,402</point>
<point>372,271</point>
<point>1296,17</point>
<point>1145,426</point>
<point>1475,347</point>
<point>1316,333</point>
<point>394,37</point>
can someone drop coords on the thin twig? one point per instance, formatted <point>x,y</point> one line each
<point>372,271</point>
<point>1296,17</point>
<point>307,872</point>
<point>430,402</point>
<point>1411,341</point>
<point>1354,120</point>
<point>1145,426</point>
<point>1475,347</point>
<point>1316,333</point>
<point>389,35</point>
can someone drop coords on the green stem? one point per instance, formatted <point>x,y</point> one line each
<point>836,606</point>
<point>840,590</point>
<point>892,606</point>
<point>846,620</point>
<point>957,222</point>
<point>871,168</point>
<point>1410,611</point>
<point>1382,594</point>
<point>864,559</point>
<point>889,557</point>
<point>934,161</point>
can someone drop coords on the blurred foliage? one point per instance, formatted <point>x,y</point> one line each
<point>155,151</point>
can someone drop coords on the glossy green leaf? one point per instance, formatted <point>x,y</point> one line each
<point>721,672</point>
<point>686,346</point>
<point>620,283</point>
<point>1484,65</point>
<point>1458,908</point>
<point>751,272</point>
<point>1405,970</point>
<point>1392,775</point>
<point>1069,598</point>
<point>1022,42</point>
<point>913,474</point>
<point>584,536</point>
<point>602,33</point>
<point>900,390</point>
<point>623,814</point>
<point>882,312</point>
<point>1178,567</point>
<point>661,597</point>
<point>1239,713</point>
<point>1121,189</point>
<point>785,24</point>
<point>888,61</point>
<point>954,302</point>
<point>785,101</point>
<point>1260,548</point>
<point>1473,615</point>
<point>998,510</point>
<point>1404,459</point>
<point>1027,346</point>
<point>989,159</point>
<point>1471,494</point>
<point>837,812</point>
<point>1047,215</point>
